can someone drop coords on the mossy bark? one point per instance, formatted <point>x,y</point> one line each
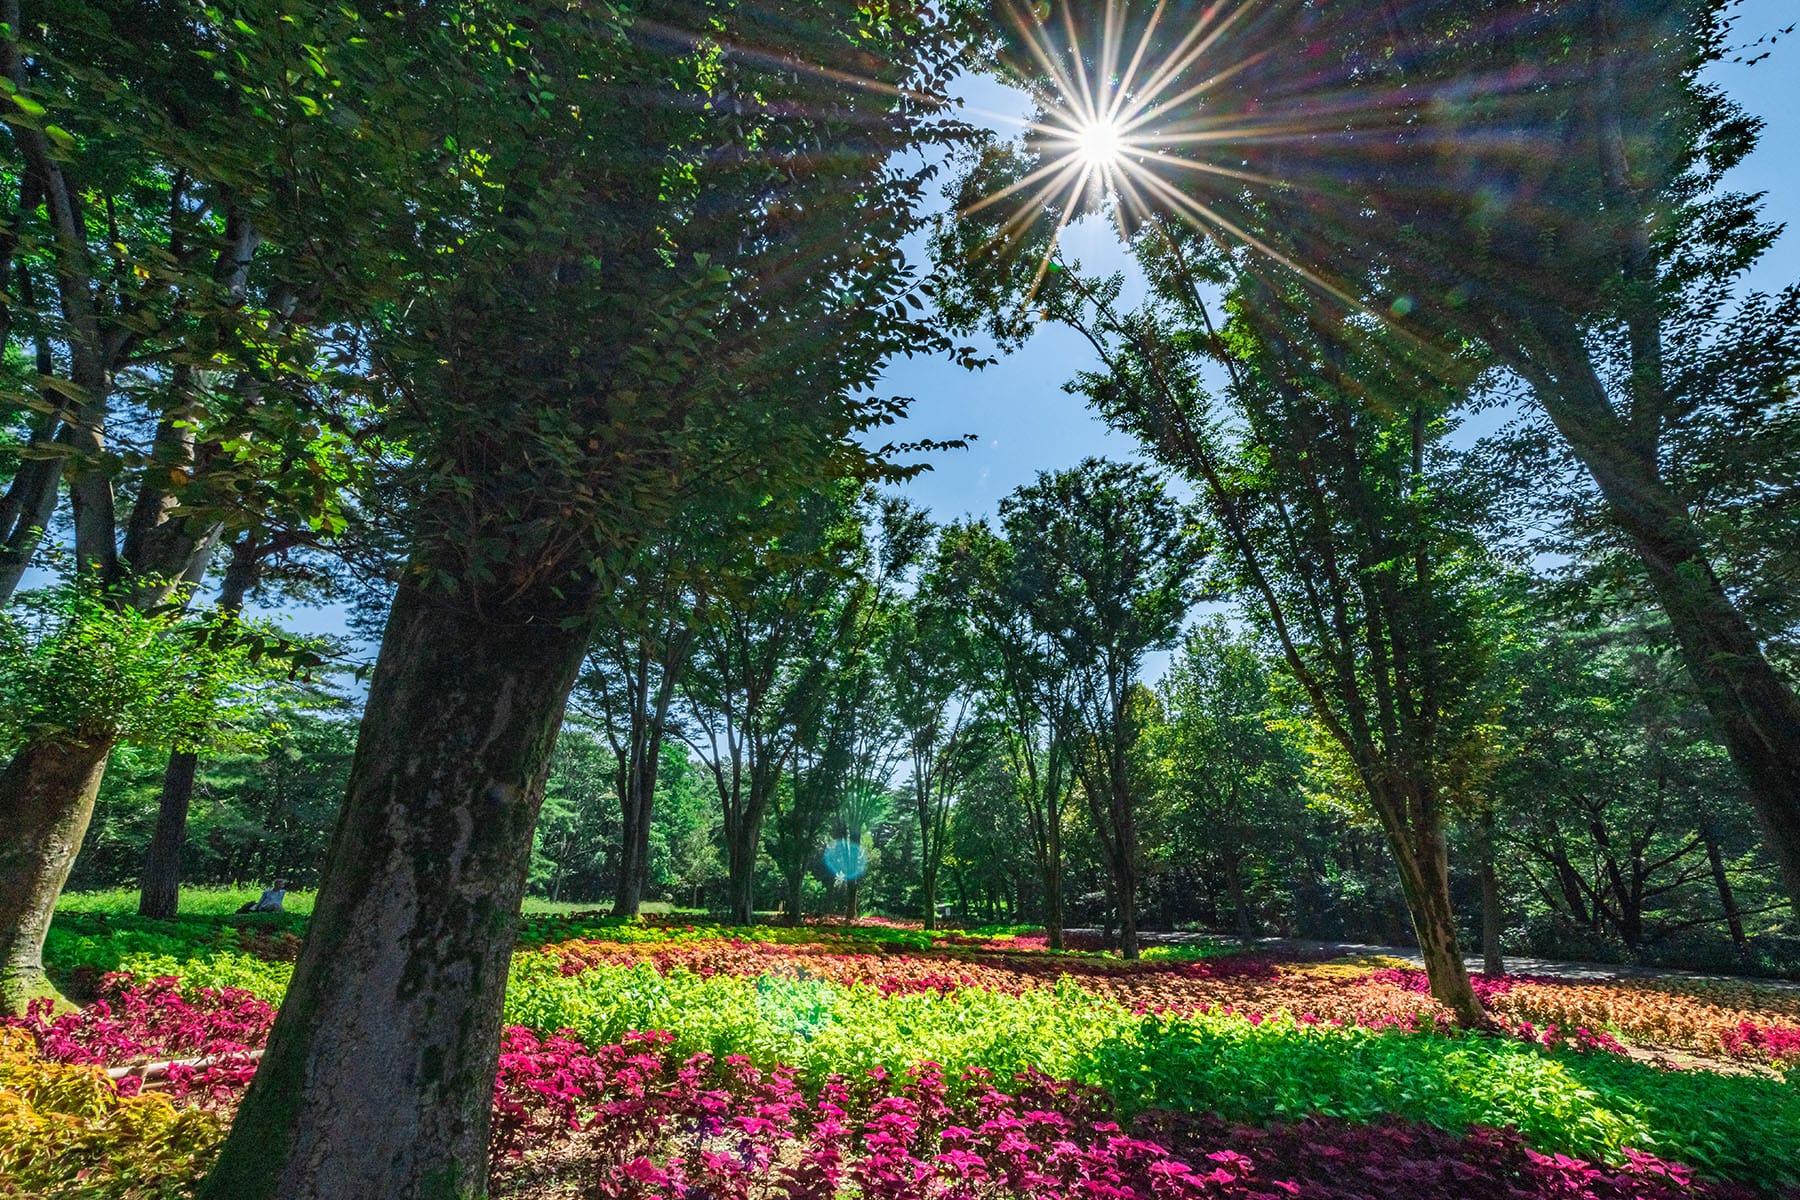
<point>378,1076</point>
<point>1420,853</point>
<point>46,800</point>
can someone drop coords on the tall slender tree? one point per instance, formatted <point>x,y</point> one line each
<point>1104,563</point>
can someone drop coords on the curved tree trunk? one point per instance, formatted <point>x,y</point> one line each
<point>46,800</point>
<point>1755,710</point>
<point>159,891</point>
<point>378,1076</point>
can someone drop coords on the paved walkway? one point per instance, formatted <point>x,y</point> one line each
<point>1575,972</point>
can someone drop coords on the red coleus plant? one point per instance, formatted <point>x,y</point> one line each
<point>649,1125</point>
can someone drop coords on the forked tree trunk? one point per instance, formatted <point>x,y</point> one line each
<point>379,1072</point>
<point>46,800</point>
<point>159,890</point>
<point>928,888</point>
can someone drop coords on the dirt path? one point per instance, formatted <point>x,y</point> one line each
<point>1574,972</point>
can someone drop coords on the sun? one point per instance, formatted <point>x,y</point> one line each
<point>1100,143</point>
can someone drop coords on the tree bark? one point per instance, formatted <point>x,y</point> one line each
<point>634,851</point>
<point>1233,861</point>
<point>46,800</point>
<point>159,891</point>
<point>378,1076</point>
<point>1734,920</point>
<point>1425,878</point>
<point>1492,962</point>
<point>796,895</point>
<point>740,869</point>
<point>1126,885</point>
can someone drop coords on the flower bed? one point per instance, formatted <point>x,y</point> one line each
<point>1227,1075</point>
<point>651,1123</point>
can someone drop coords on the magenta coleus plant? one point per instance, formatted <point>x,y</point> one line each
<point>651,1125</point>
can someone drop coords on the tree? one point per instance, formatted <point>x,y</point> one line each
<point>628,302</point>
<point>761,673</point>
<point>1587,240</point>
<point>1027,687</point>
<point>630,682</point>
<point>159,887</point>
<point>1235,775</point>
<point>578,847</point>
<point>1619,802</point>
<point>160,246</point>
<point>1104,563</point>
<point>929,664</point>
<point>77,671</point>
<point>847,746</point>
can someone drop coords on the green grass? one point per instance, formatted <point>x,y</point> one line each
<point>195,901</point>
<point>562,908</point>
<point>224,901</point>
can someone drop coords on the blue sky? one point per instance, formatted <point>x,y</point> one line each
<point>1027,423</point>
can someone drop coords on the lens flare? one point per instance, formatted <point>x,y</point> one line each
<point>846,860</point>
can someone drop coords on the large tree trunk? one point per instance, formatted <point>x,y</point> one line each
<point>378,1076</point>
<point>159,891</point>
<point>1756,713</point>
<point>46,799</point>
<point>928,888</point>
